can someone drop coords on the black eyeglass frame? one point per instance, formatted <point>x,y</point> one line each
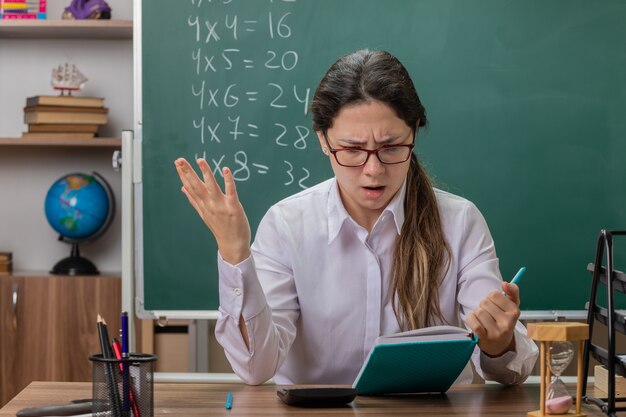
<point>369,152</point>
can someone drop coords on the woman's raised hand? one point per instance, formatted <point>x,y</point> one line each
<point>221,211</point>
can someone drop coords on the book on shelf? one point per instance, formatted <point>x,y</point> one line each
<point>23,9</point>
<point>16,6</point>
<point>58,135</point>
<point>62,128</point>
<point>65,100</point>
<point>65,118</point>
<point>65,109</point>
<point>421,360</point>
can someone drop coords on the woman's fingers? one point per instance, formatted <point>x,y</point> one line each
<point>191,200</point>
<point>222,213</point>
<point>229,183</point>
<point>205,195</point>
<point>188,177</point>
<point>472,321</point>
<point>209,179</point>
<point>494,321</point>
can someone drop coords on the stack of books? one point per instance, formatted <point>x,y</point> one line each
<point>64,117</point>
<point>22,9</point>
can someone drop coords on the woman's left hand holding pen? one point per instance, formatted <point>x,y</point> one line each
<point>221,211</point>
<point>494,320</point>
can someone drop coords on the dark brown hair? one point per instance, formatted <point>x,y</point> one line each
<point>421,253</point>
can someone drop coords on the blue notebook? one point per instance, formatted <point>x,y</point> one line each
<point>422,360</point>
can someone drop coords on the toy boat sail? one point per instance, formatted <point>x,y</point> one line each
<point>67,78</point>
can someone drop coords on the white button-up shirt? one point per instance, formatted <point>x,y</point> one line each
<point>315,292</point>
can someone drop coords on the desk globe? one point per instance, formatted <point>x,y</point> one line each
<point>80,207</point>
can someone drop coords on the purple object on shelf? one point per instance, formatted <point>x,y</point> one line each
<point>87,9</point>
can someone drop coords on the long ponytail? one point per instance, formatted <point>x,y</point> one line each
<point>421,256</point>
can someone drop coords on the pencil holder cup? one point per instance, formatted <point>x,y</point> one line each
<point>123,387</point>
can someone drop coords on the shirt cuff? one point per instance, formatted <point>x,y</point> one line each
<point>520,362</point>
<point>491,365</point>
<point>240,292</point>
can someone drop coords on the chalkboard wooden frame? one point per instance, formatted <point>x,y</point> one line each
<point>524,102</point>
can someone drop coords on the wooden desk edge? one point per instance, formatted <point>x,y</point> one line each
<point>45,393</point>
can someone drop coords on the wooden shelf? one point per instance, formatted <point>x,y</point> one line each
<point>46,274</point>
<point>74,143</point>
<point>66,29</point>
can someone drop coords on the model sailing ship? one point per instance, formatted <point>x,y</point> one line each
<point>67,78</point>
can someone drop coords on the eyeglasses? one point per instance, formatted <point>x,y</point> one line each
<point>356,157</point>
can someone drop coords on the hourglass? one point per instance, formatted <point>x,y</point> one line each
<point>558,399</point>
<point>556,352</point>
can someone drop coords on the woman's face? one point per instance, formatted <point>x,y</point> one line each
<point>366,190</point>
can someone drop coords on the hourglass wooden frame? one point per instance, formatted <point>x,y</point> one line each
<point>546,333</point>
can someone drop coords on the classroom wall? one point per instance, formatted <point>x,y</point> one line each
<point>27,173</point>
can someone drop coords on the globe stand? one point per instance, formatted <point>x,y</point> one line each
<point>75,264</point>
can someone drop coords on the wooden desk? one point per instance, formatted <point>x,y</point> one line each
<point>187,400</point>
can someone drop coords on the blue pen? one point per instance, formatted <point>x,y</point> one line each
<point>124,334</point>
<point>517,276</point>
<point>125,369</point>
<point>229,400</point>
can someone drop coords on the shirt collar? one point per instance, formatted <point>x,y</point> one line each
<point>396,207</point>
<point>338,215</point>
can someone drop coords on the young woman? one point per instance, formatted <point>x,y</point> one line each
<point>373,251</point>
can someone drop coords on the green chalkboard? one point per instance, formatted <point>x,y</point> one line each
<point>526,102</point>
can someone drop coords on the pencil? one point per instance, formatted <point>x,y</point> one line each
<point>109,367</point>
